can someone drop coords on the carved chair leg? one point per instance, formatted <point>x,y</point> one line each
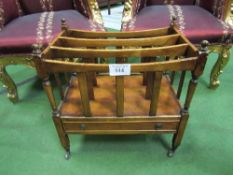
<point>222,61</point>
<point>64,139</point>
<point>9,84</point>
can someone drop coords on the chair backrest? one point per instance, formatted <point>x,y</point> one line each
<point>178,2</point>
<point>37,6</point>
<point>217,8</point>
<point>176,54</point>
<point>9,10</point>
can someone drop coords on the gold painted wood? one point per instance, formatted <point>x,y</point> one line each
<point>95,12</point>
<point>228,16</point>
<point>6,79</point>
<point>224,52</point>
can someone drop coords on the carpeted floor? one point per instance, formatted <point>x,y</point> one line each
<point>29,142</point>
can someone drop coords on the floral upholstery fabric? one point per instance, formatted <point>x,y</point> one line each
<point>180,2</point>
<point>9,9</point>
<point>216,7</point>
<point>195,22</point>
<point>19,35</point>
<point>81,6</point>
<point>36,6</point>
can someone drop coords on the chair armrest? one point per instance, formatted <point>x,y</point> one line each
<point>228,15</point>
<point>131,9</point>
<point>89,9</point>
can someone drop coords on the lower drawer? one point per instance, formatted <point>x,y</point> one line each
<point>120,127</point>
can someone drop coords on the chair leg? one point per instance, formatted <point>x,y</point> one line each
<point>64,139</point>
<point>177,138</point>
<point>9,84</point>
<point>109,8</point>
<point>222,61</point>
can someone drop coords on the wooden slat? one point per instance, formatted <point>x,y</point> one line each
<point>181,83</point>
<point>173,73</point>
<point>191,89</point>
<point>149,84</point>
<point>145,74</point>
<point>59,84</point>
<point>174,65</point>
<point>83,86</point>
<point>134,34</point>
<point>62,52</point>
<point>90,85</point>
<point>120,96</point>
<point>61,132</point>
<point>193,50</point>
<point>84,42</point>
<point>49,91</point>
<point>46,50</point>
<point>129,119</point>
<point>155,93</point>
<point>176,141</point>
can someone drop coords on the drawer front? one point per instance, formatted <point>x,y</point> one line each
<point>120,127</point>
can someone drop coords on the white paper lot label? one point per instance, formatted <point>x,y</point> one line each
<point>119,69</point>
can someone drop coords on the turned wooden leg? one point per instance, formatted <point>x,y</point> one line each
<point>222,61</point>
<point>64,139</point>
<point>9,84</point>
<point>177,138</point>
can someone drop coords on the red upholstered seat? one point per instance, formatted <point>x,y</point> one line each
<point>196,22</point>
<point>19,35</point>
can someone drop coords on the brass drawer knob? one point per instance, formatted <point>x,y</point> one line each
<point>82,126</point>
<point>158,126</point>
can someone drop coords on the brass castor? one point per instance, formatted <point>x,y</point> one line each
<point>170,153</point>
<point>67,155</point>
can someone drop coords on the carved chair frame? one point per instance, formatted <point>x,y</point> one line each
<point>223,50</point>
<point>27,59</point>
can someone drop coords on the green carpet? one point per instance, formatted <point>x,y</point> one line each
<point>29,142</point>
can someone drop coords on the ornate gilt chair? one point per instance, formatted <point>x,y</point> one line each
<point>26,22</point>
<point>199,20</point>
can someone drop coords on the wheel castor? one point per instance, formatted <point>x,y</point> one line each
<point>67,155</point>
<point>170,153</point>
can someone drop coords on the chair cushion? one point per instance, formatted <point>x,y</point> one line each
<point>9,9</point>
<point>21,33</point>
<point>180,2</point>
<point>36,6</point>
<point>196,23</point>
